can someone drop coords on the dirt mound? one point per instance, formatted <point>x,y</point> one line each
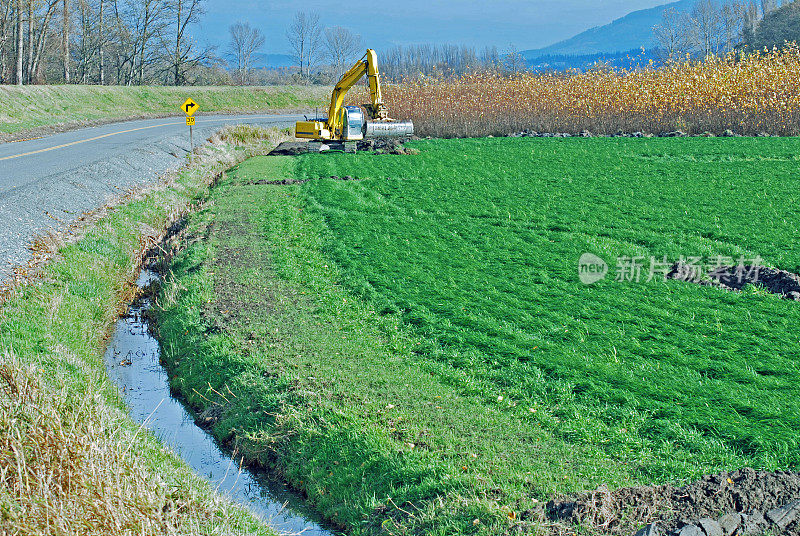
<point>744,501</point>
<point>781,282</point>
<point>290,148</point>
<point>374,145</point>
<point>385,146</point>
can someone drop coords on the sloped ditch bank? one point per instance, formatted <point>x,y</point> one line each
<point>133,363</point>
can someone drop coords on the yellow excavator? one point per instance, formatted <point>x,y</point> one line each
<point>352,123</point>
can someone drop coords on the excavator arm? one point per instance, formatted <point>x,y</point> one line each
<point>342,120</point>
<point>367,65</point>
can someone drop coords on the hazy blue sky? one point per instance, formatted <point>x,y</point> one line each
<point>524,23</point>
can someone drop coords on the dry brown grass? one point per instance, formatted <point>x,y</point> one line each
<point>748,94</point>
<point>67,466</point>
<point>240,135</point>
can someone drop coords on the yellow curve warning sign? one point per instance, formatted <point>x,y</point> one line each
<point>189,107</point>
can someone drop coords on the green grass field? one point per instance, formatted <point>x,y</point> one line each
<point>415,349</point>
<point>31,107</point>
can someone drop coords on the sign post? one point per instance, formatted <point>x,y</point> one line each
<point>189,108</point>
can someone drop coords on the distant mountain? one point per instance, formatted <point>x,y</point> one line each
<point>622,60</point>
<point>631,32</point>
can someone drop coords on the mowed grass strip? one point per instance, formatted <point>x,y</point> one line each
<point>30,107</point>
<point>309,381</point>
<point>414,350</point>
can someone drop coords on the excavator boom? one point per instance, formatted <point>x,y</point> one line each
<point>347,123</point>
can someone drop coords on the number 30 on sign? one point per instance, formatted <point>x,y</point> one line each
<point>190,121</point>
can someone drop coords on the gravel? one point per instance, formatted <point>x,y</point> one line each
<point>46,190</point>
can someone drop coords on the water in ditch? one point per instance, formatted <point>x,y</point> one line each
<point>133,363</point>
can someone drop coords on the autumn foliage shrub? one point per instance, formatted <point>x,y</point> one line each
<point>747,93</point>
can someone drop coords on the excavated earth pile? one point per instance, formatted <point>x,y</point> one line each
<point>786,284</point>
<point>741,502</point>
<point>375,145</point>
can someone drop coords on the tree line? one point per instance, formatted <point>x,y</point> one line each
<point>136,42</point>
<point>323,54</point>
<point>121,42</point>
<point>139,42</point>
<point>714,27</point>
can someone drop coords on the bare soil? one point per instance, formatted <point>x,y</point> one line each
<point>735,278</point>
<point>744,491</point>
<point>394,146</point>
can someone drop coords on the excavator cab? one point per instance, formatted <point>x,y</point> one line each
<point>350,123</point>
<point>351,127</point>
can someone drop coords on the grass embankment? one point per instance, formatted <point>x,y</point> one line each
<point>71,460</point>
<point>415,350</point>
<point>32,107</point>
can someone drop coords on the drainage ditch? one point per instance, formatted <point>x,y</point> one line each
<point>133,363</point>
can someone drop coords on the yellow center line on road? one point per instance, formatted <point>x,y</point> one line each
<point>87,140</point>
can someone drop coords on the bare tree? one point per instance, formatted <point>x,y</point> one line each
<point>749,22</point>
<point>706,24</point>
<point>490,58</point>
<point>29,66</point>
<point>6,12</point>
<point>674,35</point>
<point>39,38</point>
<point>514,61</point>
<point>732,19</point>
<point>85,36</point>
<point>341,47</point>
<point>469,59</point>
<point>150,22</point>
<point>185,52</point>
<point>245,41</point>
<point>304,38</point>
<point>102,46</point>
<point>19,51</point>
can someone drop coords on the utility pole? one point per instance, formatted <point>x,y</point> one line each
<point>65,40</point>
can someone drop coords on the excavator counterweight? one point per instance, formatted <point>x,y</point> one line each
<point>352,123</point>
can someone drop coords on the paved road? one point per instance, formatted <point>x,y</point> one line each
<point>48,182</point>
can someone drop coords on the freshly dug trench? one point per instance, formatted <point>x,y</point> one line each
<point>781,282</point>
<point>284,182</point>
<point>754,501</point>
